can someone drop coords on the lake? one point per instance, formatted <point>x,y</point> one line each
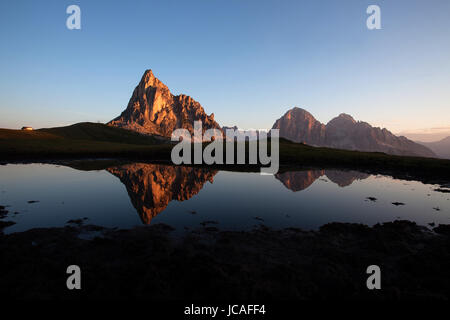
<point>128,195</point>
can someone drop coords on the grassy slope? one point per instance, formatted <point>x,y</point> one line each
<point>82,139</point>
<point>99,132</point>
<point>90,140</point>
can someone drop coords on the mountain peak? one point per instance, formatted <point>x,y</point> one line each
<point>298,110</point>
<point>149,80</point>
<point>148,76</point>
<point>344,132</point>
<point>153,109</point>
<point>344,117</point>
<point>299,125</point>
<point>148,72</point>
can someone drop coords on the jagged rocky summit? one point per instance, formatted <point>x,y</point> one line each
<point>153,109</point>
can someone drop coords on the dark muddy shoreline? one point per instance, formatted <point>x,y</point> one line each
<point>212,265</point>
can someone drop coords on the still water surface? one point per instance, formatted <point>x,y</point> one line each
<point>140,193</point>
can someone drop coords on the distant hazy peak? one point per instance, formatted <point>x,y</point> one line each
<point>441,147</point>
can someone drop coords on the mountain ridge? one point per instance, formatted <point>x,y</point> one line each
<point>344,132</point>
<point>153,109</point>
<point>441,147</point>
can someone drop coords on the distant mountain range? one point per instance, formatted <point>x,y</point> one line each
<point>344,132</point>
<point>154,110</point>
<point>427,135</point>
<point>440,148</point>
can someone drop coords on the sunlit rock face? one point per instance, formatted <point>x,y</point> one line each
<point>344,132</point>
<point>153,109</point>
<point>152,186</point>
<point>301,180</point>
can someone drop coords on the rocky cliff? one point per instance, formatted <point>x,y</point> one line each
<point>299,125</point>
<point>344,132</point>
<point>153,109</point>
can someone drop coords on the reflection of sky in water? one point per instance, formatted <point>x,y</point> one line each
<point>233,200</point>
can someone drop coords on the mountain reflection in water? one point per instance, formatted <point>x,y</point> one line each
<point>300,180</point>
<point>110,195</point>
<point>152,186</point>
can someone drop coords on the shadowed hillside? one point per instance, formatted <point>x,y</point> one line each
<point>79,140</point>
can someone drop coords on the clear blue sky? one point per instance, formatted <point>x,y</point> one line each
<point>246,61</point>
